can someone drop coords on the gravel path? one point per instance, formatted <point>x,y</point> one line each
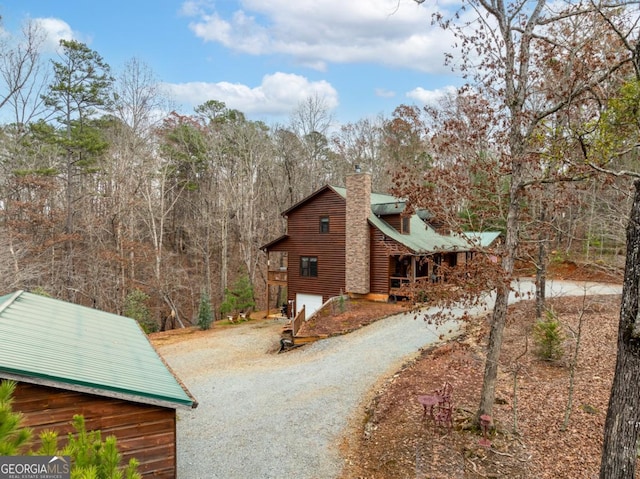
<point>267,415</point>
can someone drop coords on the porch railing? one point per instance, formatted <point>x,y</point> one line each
<point>397,282</point>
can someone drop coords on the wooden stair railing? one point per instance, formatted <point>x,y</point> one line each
<point>297,321</point>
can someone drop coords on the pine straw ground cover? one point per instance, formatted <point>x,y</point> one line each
<point>391,439</point>
<point>347,317</point>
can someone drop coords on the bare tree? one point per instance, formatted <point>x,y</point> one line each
<point>362,144</point>
<point>506,48</point>
<point>292,174</point>
<point>20,71</point>
<point>311,122</point>
<point>138,106</point>
<point>241,157</point>
<point>22,77</point>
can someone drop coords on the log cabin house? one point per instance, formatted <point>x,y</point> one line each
<point>352,241</point>
<point>68,359</point>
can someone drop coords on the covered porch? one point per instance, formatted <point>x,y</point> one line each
<point>406,270</point>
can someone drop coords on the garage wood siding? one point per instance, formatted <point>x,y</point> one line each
<point>305,239</point>
<point>143,431</point>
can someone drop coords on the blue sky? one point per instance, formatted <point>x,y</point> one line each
<point>263,57</point>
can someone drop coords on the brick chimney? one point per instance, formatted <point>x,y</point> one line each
<point>357,251</point>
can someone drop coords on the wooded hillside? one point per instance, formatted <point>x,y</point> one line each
<point>109,199</point>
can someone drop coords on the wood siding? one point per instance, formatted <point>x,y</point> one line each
<point>305,239</point>
<point>145,432</point>
<point>395,221</point>
<point>379,263</point>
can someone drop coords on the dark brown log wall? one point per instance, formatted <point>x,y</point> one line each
<point>395,221</point>
<point>305,239</point>
<point>145,432</point>
<point>380,268</point>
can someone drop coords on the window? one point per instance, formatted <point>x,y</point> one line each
<point>405,225</point>
<point>309,266</point>
<point>324,224</point>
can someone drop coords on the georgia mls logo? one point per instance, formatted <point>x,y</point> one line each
<point>59,463</point>
<point>35,467</point>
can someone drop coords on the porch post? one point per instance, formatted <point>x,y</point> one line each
<point>268,285</point>
<point>268,291</point>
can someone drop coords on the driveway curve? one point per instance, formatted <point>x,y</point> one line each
<point>267,415</point>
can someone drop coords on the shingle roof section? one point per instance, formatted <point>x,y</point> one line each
<point>59,342</point>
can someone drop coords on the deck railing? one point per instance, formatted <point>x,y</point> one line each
<point>277,276</point>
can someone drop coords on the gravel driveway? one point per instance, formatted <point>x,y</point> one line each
<point>267,415</point>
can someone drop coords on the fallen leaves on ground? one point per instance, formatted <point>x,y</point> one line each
<point>352,314</point>
<point>393,440</point>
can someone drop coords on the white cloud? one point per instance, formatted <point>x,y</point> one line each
<point>430,97</point>
<point>278,94</point>
<point>389,32</point>
<point>54,30</point>
<point>191,8</point>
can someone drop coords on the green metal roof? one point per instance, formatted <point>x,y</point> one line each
<point>483,239</point>
<point>382,209</point>
<point>376,198</point>
<point>56,343</point>
<point>422,237</point>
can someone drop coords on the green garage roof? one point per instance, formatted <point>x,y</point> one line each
<point>52,342</point>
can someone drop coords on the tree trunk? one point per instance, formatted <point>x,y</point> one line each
<point>499,318</point>
<point>620,446</point>
<point>488,394</point>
